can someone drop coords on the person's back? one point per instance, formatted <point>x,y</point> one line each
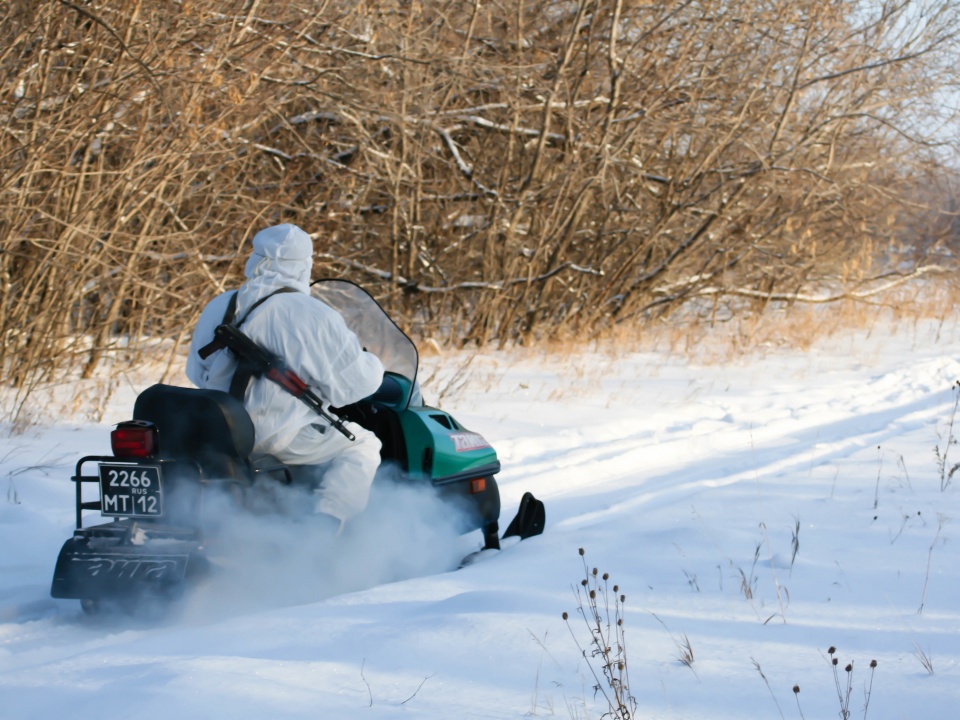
<point>317,345</point>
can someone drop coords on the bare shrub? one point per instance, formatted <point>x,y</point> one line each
<point>499,173</point>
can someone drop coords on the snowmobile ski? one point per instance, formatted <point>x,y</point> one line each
<point>527,523</point>
<point>529,520</point>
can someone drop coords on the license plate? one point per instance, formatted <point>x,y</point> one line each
<point>130,490</point>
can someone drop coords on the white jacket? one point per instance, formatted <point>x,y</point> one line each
<point>310,336</point>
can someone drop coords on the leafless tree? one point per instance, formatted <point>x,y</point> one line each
<point>493,171</point>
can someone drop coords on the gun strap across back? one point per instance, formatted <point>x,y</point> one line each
<point>256,361</point>
<point>243,373</point>
<point>228,316</point>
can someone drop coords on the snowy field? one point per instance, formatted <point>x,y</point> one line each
<point>753,513</point>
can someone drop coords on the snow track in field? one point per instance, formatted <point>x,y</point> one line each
<point>761,511</point>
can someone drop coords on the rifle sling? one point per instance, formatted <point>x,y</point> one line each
<point>243,373</point>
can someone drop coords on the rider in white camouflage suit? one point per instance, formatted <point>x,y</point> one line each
<point>316,344</point>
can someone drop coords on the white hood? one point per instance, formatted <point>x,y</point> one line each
<point>309,335</point>
<point>282,257</point>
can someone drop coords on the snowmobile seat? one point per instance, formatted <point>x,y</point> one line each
<point>208,427</point>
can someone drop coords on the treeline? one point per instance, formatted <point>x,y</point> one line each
<point>492,171</point>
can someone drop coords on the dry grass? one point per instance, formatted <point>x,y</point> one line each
<point>797,327</point>
<point>582,361</point>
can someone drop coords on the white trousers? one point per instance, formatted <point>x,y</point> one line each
<point>346,466</point>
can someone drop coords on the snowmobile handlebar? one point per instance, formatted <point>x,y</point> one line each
<point>263,363</point>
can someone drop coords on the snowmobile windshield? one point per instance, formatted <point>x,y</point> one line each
<point>374,328</point>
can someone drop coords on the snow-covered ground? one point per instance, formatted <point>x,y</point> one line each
<point>753,513</point>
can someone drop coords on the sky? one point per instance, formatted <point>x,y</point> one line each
<point>753,513</point>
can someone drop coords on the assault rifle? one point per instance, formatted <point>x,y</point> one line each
<point>255,361</point>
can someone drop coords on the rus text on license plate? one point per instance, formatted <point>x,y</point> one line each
<point>130,490</point>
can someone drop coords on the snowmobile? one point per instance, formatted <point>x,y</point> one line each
<point>183,444</point>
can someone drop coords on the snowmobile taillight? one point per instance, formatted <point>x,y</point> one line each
<point>478,485</point>
<point>134,438</point>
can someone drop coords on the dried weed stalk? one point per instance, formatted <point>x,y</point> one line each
<point>601,606</point>
<point>844,686</point>
<point>946,476</point>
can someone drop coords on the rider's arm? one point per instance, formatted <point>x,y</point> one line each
<point>197,369</point>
